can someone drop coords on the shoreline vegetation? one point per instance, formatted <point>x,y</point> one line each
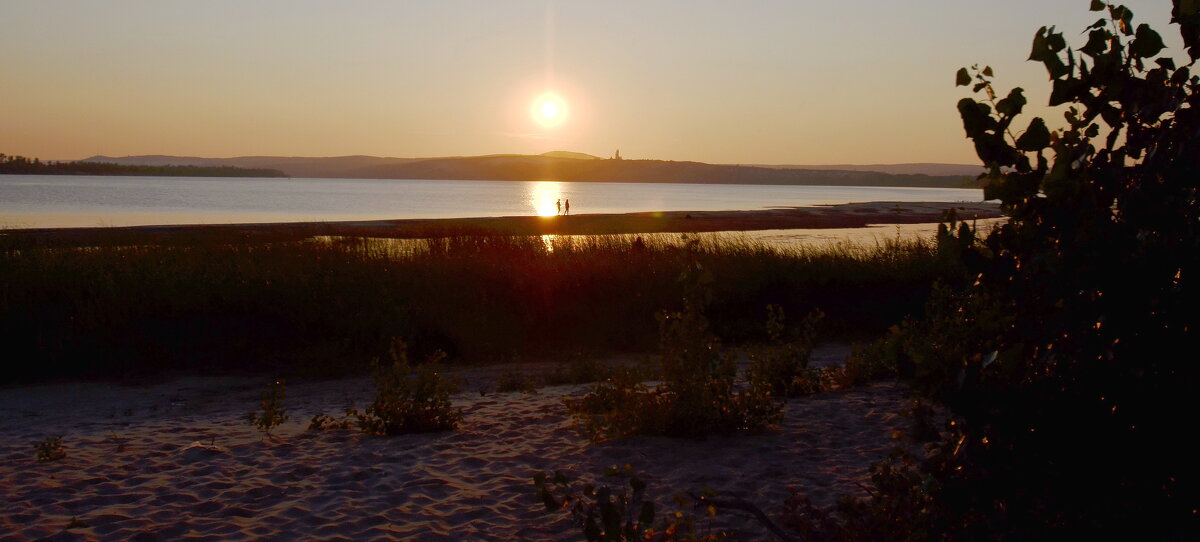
<point>20,165</point>
<point>322,300</point>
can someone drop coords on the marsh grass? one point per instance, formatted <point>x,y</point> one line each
<point>135,306</point>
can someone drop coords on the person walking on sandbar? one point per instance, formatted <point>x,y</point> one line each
<point>568,207</point>
<point>558,205</point>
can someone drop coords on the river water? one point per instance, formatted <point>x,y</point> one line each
<point>51,201</point>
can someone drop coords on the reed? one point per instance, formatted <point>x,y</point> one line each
<point>325,306</point>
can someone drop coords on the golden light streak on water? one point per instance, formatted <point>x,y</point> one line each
<point>545,197</point>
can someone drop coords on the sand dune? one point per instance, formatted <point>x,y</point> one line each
<point>177,461</point>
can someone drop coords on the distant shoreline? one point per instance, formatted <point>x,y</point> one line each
<point>20,165</point>
<point>847,215</point>
<point>577,167</point>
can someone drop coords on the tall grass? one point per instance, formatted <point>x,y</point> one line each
<point>325,306</point>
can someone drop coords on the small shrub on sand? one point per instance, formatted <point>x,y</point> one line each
<point>50,449</point>
<point>696,397</point>
<point>616,513</point>
<point>578,371</point>
<point>878,360</point>
<point>324,422</point>
<point>516,381</point>
<point>270,414</point>
<point>781,365</point>
<point>408,399</point>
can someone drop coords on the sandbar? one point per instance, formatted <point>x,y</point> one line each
<point>846,215</point>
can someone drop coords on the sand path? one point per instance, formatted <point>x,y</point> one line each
<point>134,472</point>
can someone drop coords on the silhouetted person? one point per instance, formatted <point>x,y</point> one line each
<point>567,207</point>
<point>558,204</point>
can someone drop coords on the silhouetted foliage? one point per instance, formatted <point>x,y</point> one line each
<point>1065,356</point>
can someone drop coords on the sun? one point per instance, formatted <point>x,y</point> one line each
<point>549,110</point>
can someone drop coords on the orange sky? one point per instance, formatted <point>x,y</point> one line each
<point>792,82</point>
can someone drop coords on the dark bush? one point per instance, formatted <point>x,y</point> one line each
<point>1063,357</point>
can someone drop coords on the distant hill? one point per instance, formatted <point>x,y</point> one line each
<point>569,154</point>
<point>560,166</point>
<point>322,167</point>
<point>922,168</point>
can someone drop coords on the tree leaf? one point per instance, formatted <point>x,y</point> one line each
<point>962,78</point>
<point>1036,136</point>
<point>1055,66</point>
<point>1097,5</point>
<point>1146,42</point>
<point>1097,42</point>
<point>1186,13</point>
<point>1046,45</point>
<point>1055,40</point>
<point>1012,104</point>
<point>987,71</point>
<point>1124,18</point>
<point>1063,91</point>
<point>975,116</point>
<point>1039,49</point>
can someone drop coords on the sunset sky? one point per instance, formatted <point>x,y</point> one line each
<point>788,82</point>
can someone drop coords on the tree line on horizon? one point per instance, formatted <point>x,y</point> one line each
<point>20,165</point>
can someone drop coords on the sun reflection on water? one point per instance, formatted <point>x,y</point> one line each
<point>545,197</point>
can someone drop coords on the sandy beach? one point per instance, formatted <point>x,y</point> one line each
<point>841,216</point>
<point>178,461</point>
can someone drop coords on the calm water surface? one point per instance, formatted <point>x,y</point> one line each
<point>35,201</point>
